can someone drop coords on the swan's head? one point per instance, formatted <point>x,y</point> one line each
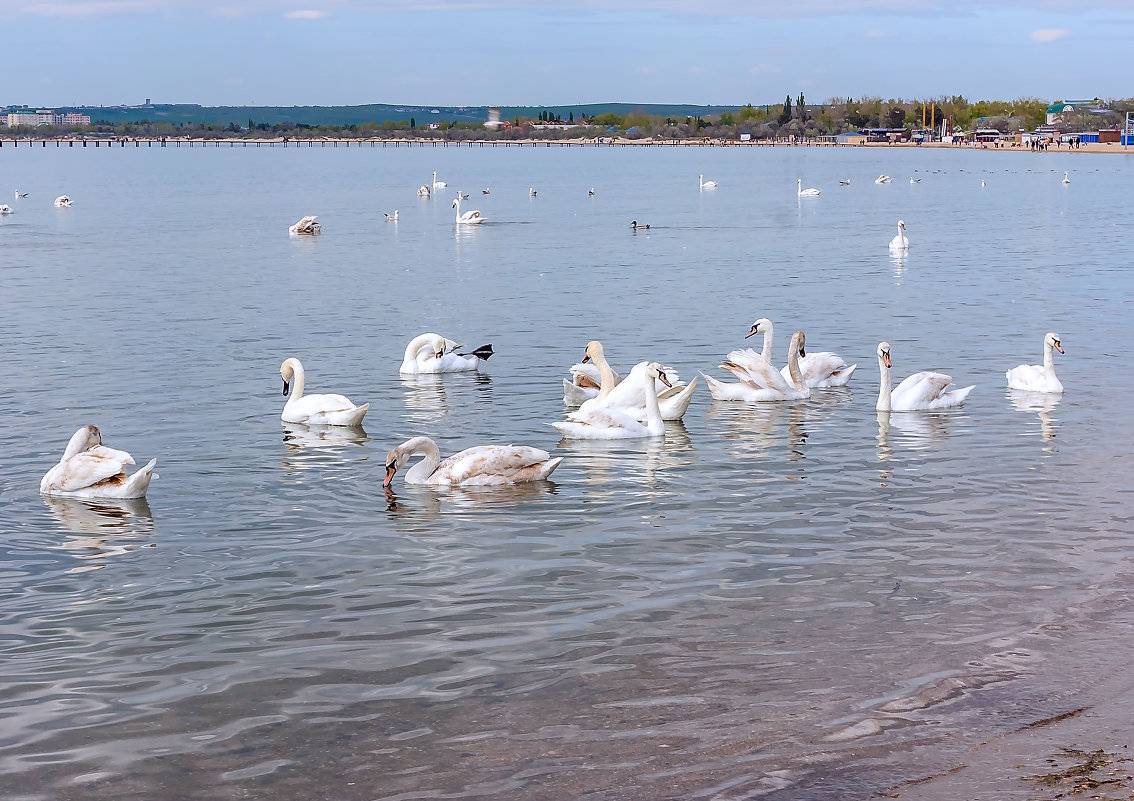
<point>593,352</point>
<point>884,353</point>
<point>82,440</point>
<point>656,372</point>
<point>761,326</point>
<point>901,225</point>
<point>797,341</point>
<point>287,372</point>
<point>456,202</point>
<point>1051,340</point>
<point>397,457</point>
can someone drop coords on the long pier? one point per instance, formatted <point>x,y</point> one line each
<point>136,142</point>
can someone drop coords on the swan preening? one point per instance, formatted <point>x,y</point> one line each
<point>469,217</point>
<point>821,370</point>
<point>433,353</point>
<point>799,190</point>
<point>634,224</point>
<point>900,242</point>
<point>315,410</point>
<point>701,178</point>
<point>600,387</point>
<point>882,179</point>
<point>594,421</point>
<point>924,390</point>
<point>62,201</point>
<point>423,191</point>
<point>308,226</point>
<point>88,469</point>
<point>759,380</point>
<point>479,465</point>
<point>1037,378</point>
<point>392,217</point>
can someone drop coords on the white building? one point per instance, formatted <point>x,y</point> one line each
<point>45,116</point>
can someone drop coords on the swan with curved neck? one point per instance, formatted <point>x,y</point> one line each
<point>89,469</point>
<point>701,178</point>
<point>799,190</point>
<point>924,390</point>
<point>1033,377</point>
<point>433,353</point>
<point>438,184</point>
<point>469,217</point>
<point>325,410</point>
<point>479,465</point>
<point>758,378</point>
<point>596,422</point>
<point>626,395</point>
<point>763,326</point>
<point>900,242</point>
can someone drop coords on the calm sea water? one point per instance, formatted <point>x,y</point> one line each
<point>797,600</point>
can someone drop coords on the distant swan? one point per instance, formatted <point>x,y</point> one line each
<point>639,226</point>
<point>432,353</point>
<point>438,184</point>
<point>900,242</point>
<point>799,190</point>
<point>924,390</point>
<point>918,180</point>
<point>479,465</point>
<point>486,191</point>
<point>469,217</point>
<point>1065,180</point>
<point>5,208</point>
<point>423,191</point>
<point>595,422</point>
<point>88,469</point>
<point>1035,378</point>
<point>306,227</point>
<point>392,217</point>
<point>62,201</point>
<point>20,194</point>
<point>704,184</point>
<point>531,192</point>
<point>327,410</point>
<point>882,179</point>
<point>591,191</point>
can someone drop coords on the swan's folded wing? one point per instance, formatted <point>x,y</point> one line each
<point>920,387</point>
<point>586,376</point>
<point>820,366</point>
<point>601,417</point>
<point>501,461</point>
<point>89,468</point>
<point>753,369</point>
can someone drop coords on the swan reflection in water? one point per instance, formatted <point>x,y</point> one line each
<point>898,261</point>
<point>428,399</point>
<point>609,461</point>
<point>429,502</point>
<point>314,446</point>
<point>1043,405</point>
<point>915,430</point>
<point>760,430</point>
<point>100,528</point>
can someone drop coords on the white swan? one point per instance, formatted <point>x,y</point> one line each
<point>900,242</point>
<point>1065,180</point>
<point>438,184</point>
<point>626,395</point>
<point>20,194</point>
<point>315,410</point>
<point>62,201</point>
<point>924,390</point>
<point>819,370</point>
<point>882,179</point>
<point>591,191</point>
<point>88,469</point>
<point>918,180</point>
<point>759,380</point>
<point>486,191</point>
<point>392,217</point>
<point>433,353</point>
<point>597,422</point>
<point>584,384</point>
<point>1035,378</point>
<point>531,192</point>
<point>5,208</point>
<point>799,190</point>
<point>701,178</point>
<point>423,191</point>
<point>469,217</point>
<point>479,465</point>
<point>308,226</point>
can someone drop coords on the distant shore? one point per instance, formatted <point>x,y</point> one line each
<point>106,141</point>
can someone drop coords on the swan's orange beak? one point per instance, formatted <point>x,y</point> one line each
<point>886,359</point>
<point>663,379</point>
<point>752,332</point>
<point>1058,347</point>
<point>391,468</point>
<point>587,357</point>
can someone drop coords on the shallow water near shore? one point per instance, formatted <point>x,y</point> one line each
<point>778,600</point>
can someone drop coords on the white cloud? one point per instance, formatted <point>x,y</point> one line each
<point>1049,34</point>
<point>306,14</point>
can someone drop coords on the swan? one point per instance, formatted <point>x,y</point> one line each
<point>1035,378</point>
<point>900,242</point>
<point>438,184</point>
<point>704,184</point>
<point>433,353</point>
<point>799,190</point>
<point>882,179</point>
<point>596,422</point>
<point>463,195</point>
<point>5,208</point>
<point>584,384</point>
<point>479,465</point>
<point>62,201</point>
<point>423,191</point>
<point>759,380</point>
<point>306,227</point>
<point>591,191</point>
<point>88,469</point>
<point>20,194</point>
<point>763,326</point>
<point>626,395</point>
<point>392,217</point>
<point>924,390</point>
<point>486,191</point>
<point>918,180</point>
<point>531,192</point>
<point>819,370</point>
<point>634,224</point>
<point>982,183</point>
<point>469,217</point>
<point>315,410</point>
<point>1065,180</point>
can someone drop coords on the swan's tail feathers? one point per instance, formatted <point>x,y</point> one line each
<point>484,352</point>
<point>547,468</point>
<point>137,484</point>
<point>716,388</point>
<point>959,395</point>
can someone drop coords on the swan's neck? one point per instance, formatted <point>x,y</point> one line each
<point>793,366</point>
<point>458,204</point>
<point>415,345</point>
<point>607,379</point>
<point>420,472</point>
<point>884,387</point>
<point>1048,360</point>
<point>654,422</point>
<point>767,351</point>
<point>80,441</point>
<point>296,385</point>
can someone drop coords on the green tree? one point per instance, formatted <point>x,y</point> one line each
<point>785,115</point>
<point>412,123</point>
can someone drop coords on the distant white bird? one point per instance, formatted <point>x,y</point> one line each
<point>486,191</point>
<point>469,217</point>
<point>900,242</point>
<point>531,192</point>
<point>982,182</point>
<point>308,226</point>
<point>392,217</point>
<point>20,194</point>
<point>591,192</point>
<point>915,180</point>
<point>706,184</point>
<point>464,196</point>
<point>1066,180</point>
<point>88,469</point>
<point>438,184</point>
<point>882,179</point>
<point>845,183</point>
<point>62,201</point>
<point>811,192</point>
<point>423,191</point>
<point>5,208</point>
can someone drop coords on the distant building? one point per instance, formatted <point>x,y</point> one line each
<point>43,116</point>
<point>1056,111</point>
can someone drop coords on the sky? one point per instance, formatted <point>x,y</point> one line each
<point>536,53</point>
